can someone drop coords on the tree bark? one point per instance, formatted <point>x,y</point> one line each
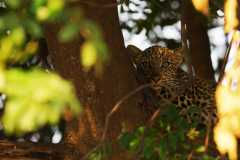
<point>97,94</point>
<point>32,151</point>
<point>199,46</point>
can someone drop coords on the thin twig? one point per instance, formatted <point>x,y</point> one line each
<point>190,156</point>
<point>153,117</point>
<point>209,126</point>
<point>225,60</point>
<point>92,151</point>
<point>107,119</point>
<point>117,105</point>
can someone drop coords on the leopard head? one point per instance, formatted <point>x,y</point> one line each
<point>157,64</point>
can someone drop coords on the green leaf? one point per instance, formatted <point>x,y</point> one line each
<point>68,32</point>
<point>125,139</point>
<point>149,146</point>
<point>13,3</point>
<point>33,28</point>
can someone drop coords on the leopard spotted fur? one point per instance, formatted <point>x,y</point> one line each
<point>161,67</point>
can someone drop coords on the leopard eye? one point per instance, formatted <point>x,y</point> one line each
<point>166,64</point>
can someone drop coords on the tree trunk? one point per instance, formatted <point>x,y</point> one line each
<point>97,94</point>
<point>199,47</point>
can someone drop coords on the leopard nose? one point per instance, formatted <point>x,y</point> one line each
<point>156,79</point>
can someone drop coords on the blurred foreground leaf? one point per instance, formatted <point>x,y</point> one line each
<point>88,54</point>
<point>35,98</point>
<point>227,129</point>
<point>201,6</point>
<point>231,15</point>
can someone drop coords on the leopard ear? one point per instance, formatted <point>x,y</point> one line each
<point>134,53</point>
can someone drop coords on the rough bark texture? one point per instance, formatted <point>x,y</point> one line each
<point>196,30</point>
<point>97,94</point>
<point>30,151</point>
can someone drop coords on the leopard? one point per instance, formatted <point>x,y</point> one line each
<point>170,83</point>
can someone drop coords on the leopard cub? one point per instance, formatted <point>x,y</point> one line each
<point>161,67</point>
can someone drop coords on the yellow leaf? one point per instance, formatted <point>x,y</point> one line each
<point>55,5</point>
<point>226,142</point>
<point>42,13</point>
<point>192,133</point>
<point>6,47</point>
<point>18,36</point>
<point>88,54</point>
<point>26,123</point>
<point>227,102</point>
<point>31,47</point>
<point>231,17</point>
<point>201,6</point>
<point>201,149</point>
<point>2,77</point>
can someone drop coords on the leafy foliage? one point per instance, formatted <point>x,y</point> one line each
<point>171,137</point>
